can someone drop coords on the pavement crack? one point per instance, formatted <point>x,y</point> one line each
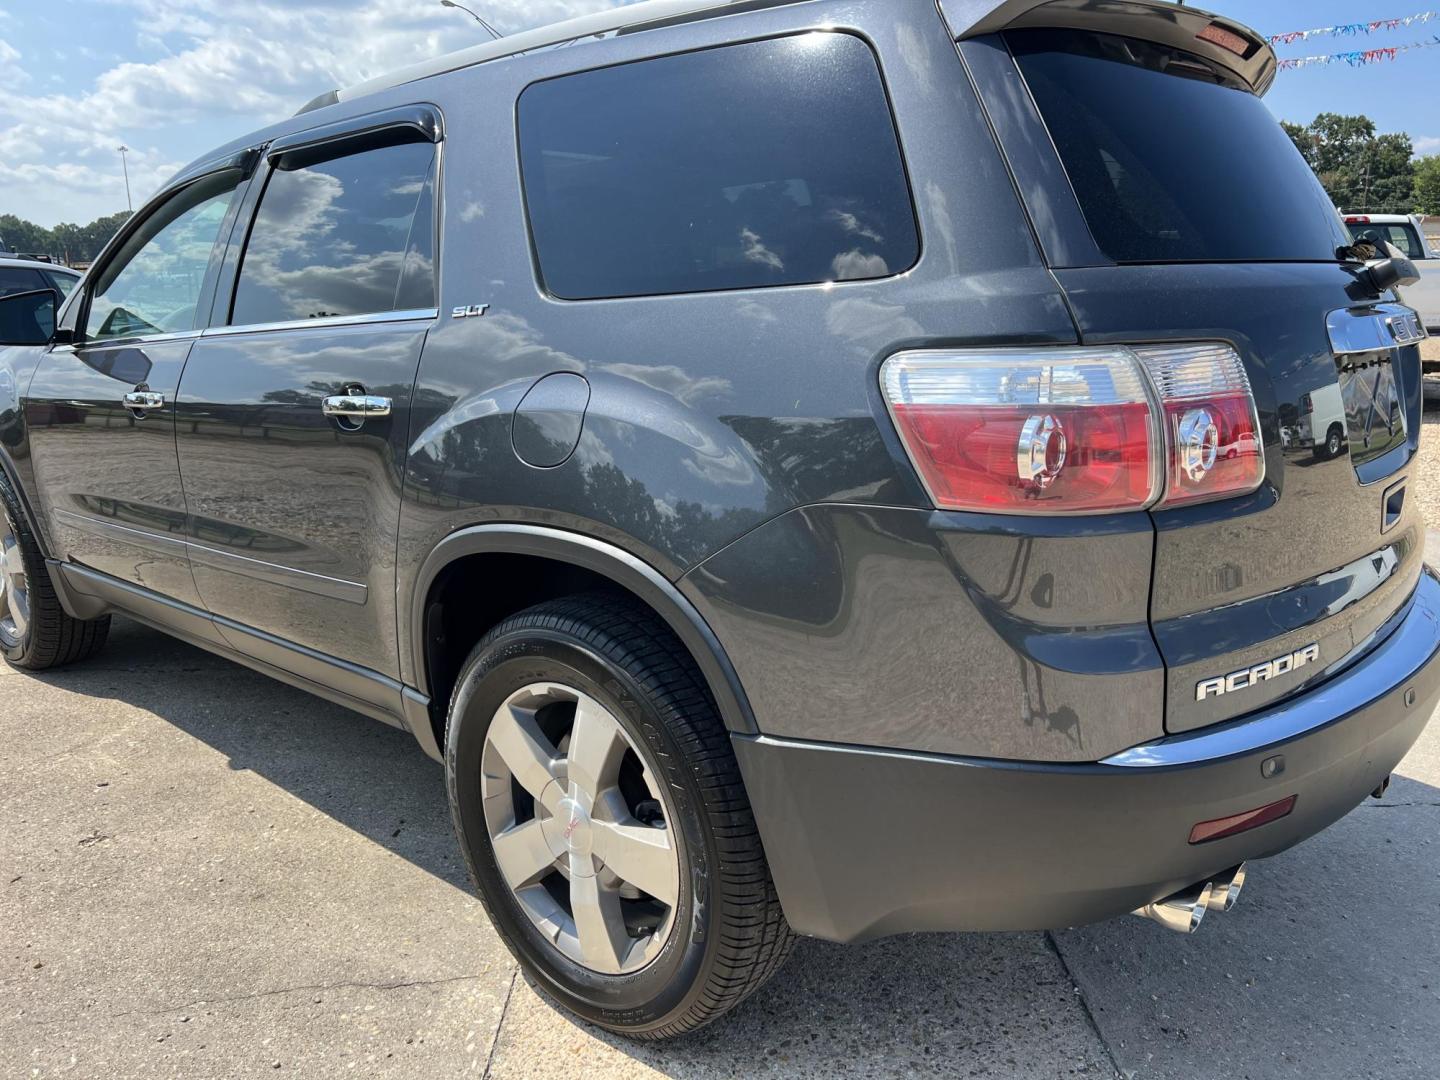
<point>280,991</point>
<point>500,1025</point>
<point>1084,1004</point>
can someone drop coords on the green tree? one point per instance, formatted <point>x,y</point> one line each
<point>1427,185</point>
<point>73,243</point>
<point>1360,170</point>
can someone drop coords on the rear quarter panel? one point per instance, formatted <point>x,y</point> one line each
<point>709,413</point>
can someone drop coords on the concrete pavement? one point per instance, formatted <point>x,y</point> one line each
<point>205,873</point>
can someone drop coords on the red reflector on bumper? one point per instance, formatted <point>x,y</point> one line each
<point>1205,831</point>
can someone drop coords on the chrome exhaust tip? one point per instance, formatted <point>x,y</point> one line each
<point>1225,889</point>
<point>1181,911</point>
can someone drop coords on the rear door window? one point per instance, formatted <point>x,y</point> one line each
<point>348,235</point>
<point>766,163</point>
<point>1170,158</point>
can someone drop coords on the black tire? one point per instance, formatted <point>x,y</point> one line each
<point>729,933</point>
<point>46,637</point>
<point>1334,441</point>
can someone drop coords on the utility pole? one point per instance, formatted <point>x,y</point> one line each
<point>124,165</point>
<point>461,7</point>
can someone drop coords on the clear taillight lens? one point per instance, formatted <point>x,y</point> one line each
<point>1076,429</point>
<point>1212,429</point>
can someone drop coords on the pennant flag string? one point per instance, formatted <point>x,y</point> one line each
<point>1358,58</point>
<point>1352,30</point>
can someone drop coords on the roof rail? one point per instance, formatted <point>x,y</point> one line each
<point>629,18</point>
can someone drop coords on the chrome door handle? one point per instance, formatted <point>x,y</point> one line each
<point>356,406</point>
<point>144,400</point>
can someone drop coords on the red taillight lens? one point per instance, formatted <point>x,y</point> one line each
<point>1065,430</point>
<point>1076,429</point>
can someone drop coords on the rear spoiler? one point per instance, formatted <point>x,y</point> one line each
<point>1232,45</point>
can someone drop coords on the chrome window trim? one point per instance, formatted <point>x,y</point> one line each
<point>413,315</point>
<point>1380,673</point>
<point>149,339</point>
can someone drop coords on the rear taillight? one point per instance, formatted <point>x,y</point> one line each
<point>1076,429</point>
<point>1212,429</point>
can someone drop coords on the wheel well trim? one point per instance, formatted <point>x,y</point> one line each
<point>619,566</point>
<point>12,476</point>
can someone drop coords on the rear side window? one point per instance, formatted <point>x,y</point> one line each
<point>1171,160</point>
<point>349,235</point>
<point>768,163</point>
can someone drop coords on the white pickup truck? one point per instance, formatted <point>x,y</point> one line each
<point>1404,233</point>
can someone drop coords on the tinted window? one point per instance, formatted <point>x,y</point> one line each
<point>154,284</point>
<point>17,279</point>
<point>770,163</point>
<point>1403,237</point>
<point>63,282</point>
<point>1170,160</point>
<point>332,238</point>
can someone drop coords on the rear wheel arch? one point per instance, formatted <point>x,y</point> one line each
<point>477,577</point>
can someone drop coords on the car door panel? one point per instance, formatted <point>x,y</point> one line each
<point>293,513</point>
<point>100,412</point>
<point>109,474</point>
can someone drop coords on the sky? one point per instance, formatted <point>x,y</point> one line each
<point>171,79</point>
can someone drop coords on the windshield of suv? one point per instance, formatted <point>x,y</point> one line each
<point>1171,159</point>
<point>1403,237</point>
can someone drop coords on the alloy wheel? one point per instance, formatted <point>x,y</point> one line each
<point>582,832</point>
<point>14,587</point>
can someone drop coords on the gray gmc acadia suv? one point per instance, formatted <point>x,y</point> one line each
<point>805,468</point>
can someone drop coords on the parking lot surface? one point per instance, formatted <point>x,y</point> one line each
<point>207,874</point>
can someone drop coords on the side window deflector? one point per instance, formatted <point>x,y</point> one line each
<point>409,123</point>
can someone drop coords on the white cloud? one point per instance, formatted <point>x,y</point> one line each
<point>1426,144</point>
<point>220,69</point>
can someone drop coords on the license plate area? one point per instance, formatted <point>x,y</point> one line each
<point>1374,410</point>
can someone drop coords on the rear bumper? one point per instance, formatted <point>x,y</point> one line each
<point>865,842</point>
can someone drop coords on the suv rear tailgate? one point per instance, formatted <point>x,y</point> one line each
<point>1173,208</point>
<point>1309,558</point>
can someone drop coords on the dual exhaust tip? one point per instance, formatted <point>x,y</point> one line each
<point>1183,911</point>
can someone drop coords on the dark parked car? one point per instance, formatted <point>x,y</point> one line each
<point>19,275</point>
<point>803,467</point>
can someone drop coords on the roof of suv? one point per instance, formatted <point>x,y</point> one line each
<point>35,264</point>
<point>1159,20</point>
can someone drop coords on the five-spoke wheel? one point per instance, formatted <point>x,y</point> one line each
<point>600,808</point>
<point>14,589</point>
<point>579,828</point>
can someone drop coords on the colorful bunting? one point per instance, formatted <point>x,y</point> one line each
<point>1358,58</point>
<point>1353,29</point>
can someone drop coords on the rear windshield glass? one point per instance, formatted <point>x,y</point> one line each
<point>1402,237</point>
<point>752,165</point>
<point>1170,158</point>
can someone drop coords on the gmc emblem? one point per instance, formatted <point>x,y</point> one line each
<point>1247,677</point>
